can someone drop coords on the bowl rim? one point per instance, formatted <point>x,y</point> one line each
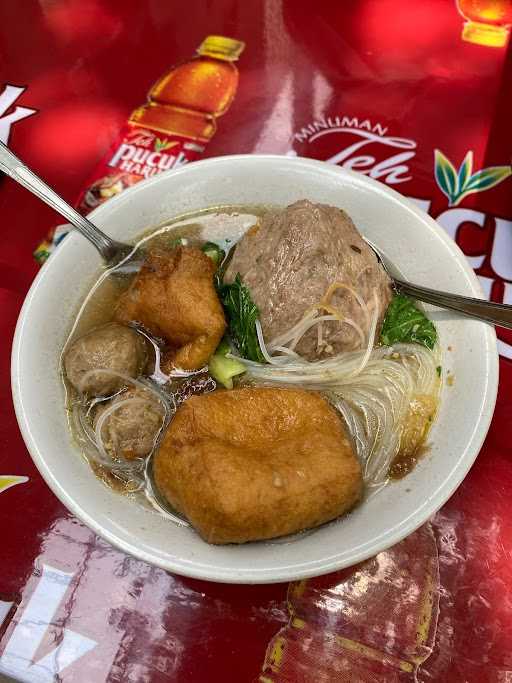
<point>432,503</point>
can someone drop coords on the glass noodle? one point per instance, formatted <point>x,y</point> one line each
<point>374,389</point>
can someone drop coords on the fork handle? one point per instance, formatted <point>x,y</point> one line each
<point>498,314</point>
<point>109,249</point>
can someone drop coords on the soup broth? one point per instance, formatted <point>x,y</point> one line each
<point>225,226</point>
<point>364,413</point>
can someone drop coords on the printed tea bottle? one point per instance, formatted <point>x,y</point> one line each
<point>175,124</point>
<point>488,21</point>
<point>171,129</point>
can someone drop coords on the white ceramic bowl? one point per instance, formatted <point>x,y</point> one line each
<point>407,236</point>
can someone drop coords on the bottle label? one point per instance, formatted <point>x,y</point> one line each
<point>136,154</point>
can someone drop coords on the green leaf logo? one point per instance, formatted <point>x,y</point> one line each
<point>161,145</point>
<point>9,480</point>
<point>446,176</point>
<point>486,178</point>
<point>459,184</point>
<point>465,170</point>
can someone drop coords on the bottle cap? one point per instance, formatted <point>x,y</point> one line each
<point>485,34</point>
<point>221,48</point>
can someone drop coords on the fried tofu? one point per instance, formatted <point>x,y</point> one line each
<point>173,297</point>
<point>257,463</point>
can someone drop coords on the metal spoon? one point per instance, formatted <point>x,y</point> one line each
<point>488,311</point>
<point>127,260</point>
<point>112,252</point>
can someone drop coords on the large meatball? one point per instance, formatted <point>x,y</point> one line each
<point>308,254</point>
<point>131,429</point>
<point>173,297</point>
<point>256,463</point>
<point>112,347</point>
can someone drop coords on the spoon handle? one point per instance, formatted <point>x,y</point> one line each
<point>498,314</point>
<point>18,171</point>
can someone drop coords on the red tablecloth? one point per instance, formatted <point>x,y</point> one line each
<point>375,85</point>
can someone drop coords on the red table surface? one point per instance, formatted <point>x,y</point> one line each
<point>436,607</point>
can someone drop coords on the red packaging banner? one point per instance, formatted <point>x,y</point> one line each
<point>413,94</point>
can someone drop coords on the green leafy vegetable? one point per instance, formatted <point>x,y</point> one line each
<point>406,323</point>
<point>177,242</point>
<point>214,252</point>
<point>242,314</point>
<point>224,369</point>
<point>439,369</point>
<point>223,348</point>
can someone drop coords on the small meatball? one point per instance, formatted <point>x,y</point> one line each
<point>256,463</point>
<point>173,297</point>
<point>306,254</point>
<point>131,430</point>
<point>111,347</point>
